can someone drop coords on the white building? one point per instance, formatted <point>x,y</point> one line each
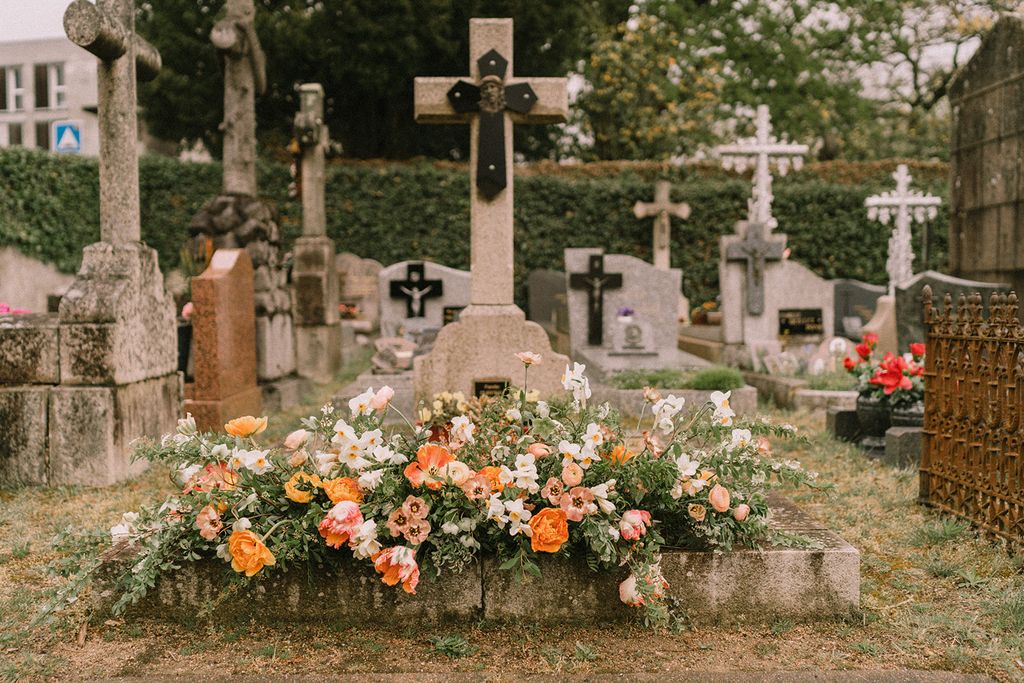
<point>43,82</point>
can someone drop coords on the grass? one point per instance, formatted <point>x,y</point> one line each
<point>831,381</point>
<point>709,379</point>
<point>934,595</point>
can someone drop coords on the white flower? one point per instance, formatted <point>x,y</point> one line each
<point>256,462</point>
<point>467,524</point>
<point>450,528</point>
<point>187,425</point>
<point>360,405</point>
<point>370,480</point>
<point>496,511</point>
<point>185,474</point>
<point>543,410</point>
<point>384,454</point>
<point>570,451</point>
<point>666,410</point>
<point>220,452</point>
<point>593,437</point>
<point>364,541</point>
<point>327,409</point>
<point>469,542</point>
<point>324,462</point>
<point>687,467</point>
<point>525,460</point>
<point>241,524</point>
<point>354,460</point>
<point>517,517</point>
<point>344,432</point>
<point>740,439</point>
<point>575,381</point>
<point>724,417</point>
<point>603,410</point>
<point>124,530</point>
<point>613,532</point>
<point>513,415</point>
<point>505,475</point>
<point>463,428</point>
<point>721,400</point>
<point>601,493</point>
<point>587,457</point>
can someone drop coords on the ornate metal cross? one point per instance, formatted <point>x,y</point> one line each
<point>107,30</point>
<point>759,151</point>
<point>756,250</point>
<point>416,289</point>
<point>908,206</point>
<point>595,281</point>
<point>661,209</point>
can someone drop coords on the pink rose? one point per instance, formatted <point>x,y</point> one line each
<point>634,524</point>
<point>719,498</point>
<point>539,450</point>
<point>741,512</point>
<point>296,439</point>
<point>382,398</point>
<point>208,522</point>
<point>572,474</point>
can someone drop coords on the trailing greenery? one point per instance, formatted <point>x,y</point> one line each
<point>49,209</point>
<point>710,379</point>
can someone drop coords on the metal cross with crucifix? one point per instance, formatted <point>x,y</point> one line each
<point>595,281</point>
<point>491,100</point>
<point>908,206</point>
<point>661,209</point>
<point>313,137</point>
<point>107,30</point>
<point>416,289</point>
<point>760,151</point>
<point>245,76</point>
<point>756,250</point>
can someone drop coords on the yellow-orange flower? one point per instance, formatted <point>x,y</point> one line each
<point>248,554</point>
<point>550,530</point>
<point>620,456</point>
<point>301,495</point>
<point>342,489</point>
<point>246,426</point>
<point>492,474</point>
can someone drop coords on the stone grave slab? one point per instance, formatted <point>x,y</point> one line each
<point>423,290</point>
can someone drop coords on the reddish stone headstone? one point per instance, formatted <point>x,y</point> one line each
<point>224,342</point>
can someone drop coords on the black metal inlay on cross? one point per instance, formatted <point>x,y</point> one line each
<point>489,99</point>
<point>595,281</point>
<point>416,289</point>
<point>756,250</point>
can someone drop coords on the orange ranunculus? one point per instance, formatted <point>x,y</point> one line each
<point>248,554</point>
<point>429,466</point>
<point>492,474</point>
<point>305,494</point>
<point>620,456</point>
<point>343,488</point>
<point>550,530</point>
<point>246,426</point>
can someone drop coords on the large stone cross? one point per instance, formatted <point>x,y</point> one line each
<point>661,209</point>
<point>908,206</point>
<point>490,100</point>
<point>759,152</point>
<point>313,138</point>
<point>245,76</point>
<point>595,281</point>
<point>107,30</point>
<point>756,250</point>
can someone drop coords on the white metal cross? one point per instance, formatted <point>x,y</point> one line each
<point>760,151</point>
<point>907,206</point>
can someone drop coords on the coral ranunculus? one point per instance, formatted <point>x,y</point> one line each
<point>343,489</point>
<point>246,426</point>
<point>303,493</point>
<point>550,530</point>
<point>429,466</point>
<point>493,475</point>
<point>398,565</point>
<point>341,523</point>
<point>248,553</point>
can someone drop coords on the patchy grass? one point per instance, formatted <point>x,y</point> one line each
<point>934,595</point>
<point>709,379</point>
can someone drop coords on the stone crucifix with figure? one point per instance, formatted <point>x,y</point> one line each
<point>491,99</point>
<point>906,206</point>
<point>662,209</point>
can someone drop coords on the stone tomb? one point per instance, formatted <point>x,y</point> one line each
<point>623,313</point>
<point>424,293</point>
<point>223,342</point>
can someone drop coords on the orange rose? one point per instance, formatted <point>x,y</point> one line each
<point>620,456</point>
<point>305,494</point>
<point>343,488</point>
<point>248,554</point>
<point>491,473</point>
<point>246,426</point>
<point>550,530</point>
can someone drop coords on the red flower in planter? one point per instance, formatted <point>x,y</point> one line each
<point>871,339</point>
<point>849,364</point>
<point>864,350</point>
<point>917,351</point>
<point>890,375</point>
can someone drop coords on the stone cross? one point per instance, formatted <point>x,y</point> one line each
<point>107,30</point>
<point>245,76</point>
<point>759,151</point>
<point>908,206</point>
<point>661,209</point>
<point>756,250</point>
<point>416,289</point>
<point>490,100</point>
<point>595,281</point>
<point>313,138</point>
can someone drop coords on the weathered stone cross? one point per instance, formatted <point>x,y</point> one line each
<point>661,209</point>
<point>756,250</point>
<point>313,138</point>
<point>107,30</point>
<point>245,76</point>
<point>491,100</point>
<point>908,206</point>
<point>595,281</point>
<point>759,152</point>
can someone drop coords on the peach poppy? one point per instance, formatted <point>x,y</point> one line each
<point>428,467</point>
<point>697,511</point>
<point>208,522</point>
<point>550,529</point>
<point>477,488</point>
<point>213,477</point>
<point>398,565</point>
<point>248,553</point>
<point>248,425</point>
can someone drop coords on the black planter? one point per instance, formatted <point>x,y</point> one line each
<point>184,345</point>
<point>873,416</point>
<point>908,416</point>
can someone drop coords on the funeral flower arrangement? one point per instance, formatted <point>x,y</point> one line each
<point>509,476</point>
<point>898,379</point>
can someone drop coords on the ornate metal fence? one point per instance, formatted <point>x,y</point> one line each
<point>971,461</point>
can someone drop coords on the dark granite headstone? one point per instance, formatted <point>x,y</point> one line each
<point>854,305</point>
<point>546,298</point>
<point>909,325</point>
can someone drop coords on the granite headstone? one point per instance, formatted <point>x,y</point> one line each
<point>420,290</point>
<point>909,325</point>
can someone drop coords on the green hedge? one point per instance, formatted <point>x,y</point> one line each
<point>390,212</point>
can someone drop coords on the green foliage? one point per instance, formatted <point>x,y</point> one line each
<point>391,212</point>
<point>453,646</point>
<point>716,379</point>
<point>832,381</point>
<point>939,531</point>
<point>710,379</point>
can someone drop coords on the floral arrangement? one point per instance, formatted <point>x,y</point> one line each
<point>898,379</point>
<point>511,478</point>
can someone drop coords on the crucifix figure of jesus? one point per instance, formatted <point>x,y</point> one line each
<point>908,206</point>
<point>491,99</point>
<point>661,209</point>
<point>760,151</point>
<point>595,281</point>
<point>756,250</point>
<point>416,289</point>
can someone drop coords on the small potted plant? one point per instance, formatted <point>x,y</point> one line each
<point>902,380</point>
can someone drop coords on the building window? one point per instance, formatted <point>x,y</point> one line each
<point>51,92</point>
<point>43,134</point>
<point>12,90</point>
<point>14,135</point>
